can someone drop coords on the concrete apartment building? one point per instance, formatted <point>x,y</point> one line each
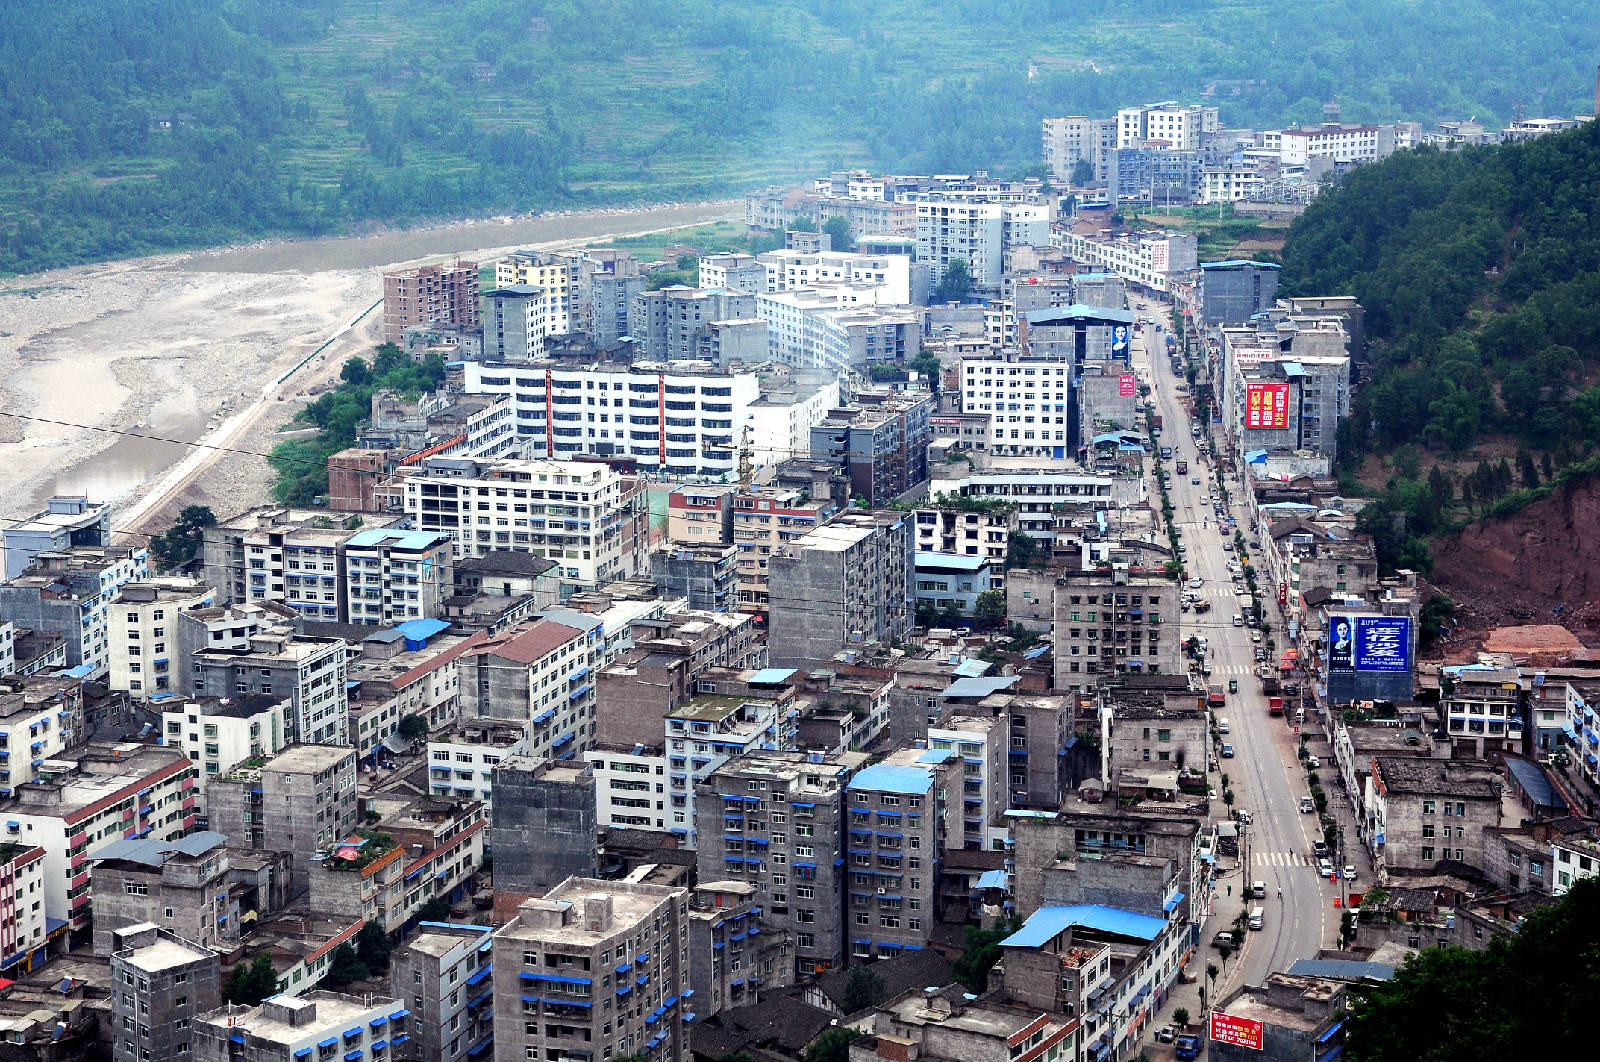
<point>946,1023</point>
<point>775,821</point>
<point>895,845</point>
<point>302,800</point>
<point>594,962</point>
<point>414,851</point>
<point>1112,623</point>
<point>555,275</point>
<point>1151,261</point>
<point>24,931</point>
<point>543,827</point>
<point>217,734</point>
<point>428,295</point>
<point>705,575</point>
<point>955,226</point>
<point>1078,138</point>
<point>983,746</point>
<point>1484,711</point>
<point>515,323</point>
<point>681,419</point>
<point>1424,812</point>
<point>66,521</point>
<point>700,515</point>
<point>70,593</point>
<point>764,521</point>
<point>1234,291</point>
<point>442,976</point>
<point>730,715</point>
<point>275,662</point>
<point>41,717</point>
<point>731,957</point>
<point>1145,747</point>
<point>144,634</point>
<point>791,270</point>
<point>180,885</point>
<point>732,271</point>
<point>461,762</point>
<point>1309,396</point>
<point>954,532</point>
<point>882,442</point>
<point>160,984</point>
<point>92,796</point>
<point>538,675</point>
<point>673,322</point>
<point>849,583</point>
<point>302,1027</point>
<point>837,329</point>
<point>586,517</point>
<point>293,556</point>
<point>1300,1018</point>
<point>629,786</point>
<point>611,301</point>
<point>1046,503</point>
<point>393,576</point>
<point>1177,125</point>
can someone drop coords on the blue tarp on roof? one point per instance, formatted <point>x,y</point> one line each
<point>1045,924</point>
<point>1341,969</point>
<point>1535,784</point>
<point>402,539</point>
<point>971,667</point>
<point>1292,369</point>
<point>888,778</point>
<point>772,676</point>
<point>979,687</point>
<point>992,879</point>
<point>936,755</point>
<point>1255,457</point>
<point>420,630</point>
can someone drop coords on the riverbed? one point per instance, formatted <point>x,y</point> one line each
<point>106,361</point>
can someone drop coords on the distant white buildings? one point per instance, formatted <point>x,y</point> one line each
<point>953,226</point>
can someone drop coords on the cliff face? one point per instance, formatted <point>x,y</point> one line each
<point>1539,565</point>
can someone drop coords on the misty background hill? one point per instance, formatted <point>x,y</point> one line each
<point>131,126</point>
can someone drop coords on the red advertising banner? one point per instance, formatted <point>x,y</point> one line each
<point>1266,406</point>
<point>1243,1032</point>
<point>1127,386</point>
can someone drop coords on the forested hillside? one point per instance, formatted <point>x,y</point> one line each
<point>135,125</point>
<point>1480,274</point>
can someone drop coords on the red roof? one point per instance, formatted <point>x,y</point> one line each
<point>530,643</point>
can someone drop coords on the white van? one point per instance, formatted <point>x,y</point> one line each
<point>1257,914</point>
<point>1222,725</point>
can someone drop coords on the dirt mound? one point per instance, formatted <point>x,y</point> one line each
<point>1540,565</point>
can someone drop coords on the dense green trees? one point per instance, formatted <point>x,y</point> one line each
<point>135,125</point>
<point>248,983</point>
<point>179,546</point>
<point>1525,996</point>
<point>302,464</point>
<point>1480,274</point>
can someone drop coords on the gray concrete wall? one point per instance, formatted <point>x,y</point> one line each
<point>543,831</point>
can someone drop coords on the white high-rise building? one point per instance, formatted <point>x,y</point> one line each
<point>952,226</point>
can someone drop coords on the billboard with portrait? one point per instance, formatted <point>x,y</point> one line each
<point>1380,644</point>
<point>1266,406</point>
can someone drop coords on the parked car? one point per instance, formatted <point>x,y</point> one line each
<point>1307,806</point>
<point>1165,1034</point>
<point>1227,752</point>
<point>1319,848</point>
<point>1223,939</point>
<point>1325,868</point>
<point>1313,762</point>
<point>1349,872</point>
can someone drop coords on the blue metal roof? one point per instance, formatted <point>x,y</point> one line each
<point>1292,369</point>
<point>1342,969</point>
<point>971,667</point>
<point>1079,312</point>
<point>936,756</point>
<point>773,676</point>
<point>979,687</point>
<point>1045,924</point>
<point>1234,263</point>
<point>1534,782</point>
<point>952,561</point>
<point>992,879</point>
<point>888,778</point>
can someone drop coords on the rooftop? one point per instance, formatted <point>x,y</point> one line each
<point>884,778</point>
<point>163,954</point>
<point>153,853</point>
<point>333,1011</point>
<point>530,642</point>
<point>1455,778</point>
<point>1047,923</point>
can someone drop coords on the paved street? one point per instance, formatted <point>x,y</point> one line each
<point>1264,774</point>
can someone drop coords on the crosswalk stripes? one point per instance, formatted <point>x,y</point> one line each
<point>1279,859</point>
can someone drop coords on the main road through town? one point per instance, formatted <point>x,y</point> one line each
<point>1266,779</point>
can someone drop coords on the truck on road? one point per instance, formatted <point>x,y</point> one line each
<point>1183,467</point>
<point>1274,705</point>
<point>1202,605</point>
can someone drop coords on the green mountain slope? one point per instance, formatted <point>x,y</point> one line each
<point>136,125</point>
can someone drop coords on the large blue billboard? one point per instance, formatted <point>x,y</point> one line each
<point>1383,643</point>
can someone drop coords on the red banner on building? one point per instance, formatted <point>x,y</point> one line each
<point>1266,406</point>
<point>1127,386</point>
<point>1242,1032</point>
